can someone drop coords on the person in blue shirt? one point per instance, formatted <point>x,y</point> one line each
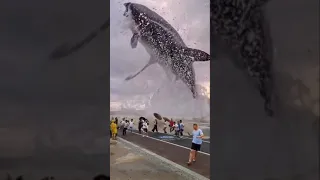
<point>196,143</point>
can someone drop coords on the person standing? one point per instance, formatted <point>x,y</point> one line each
<point>121,124</point>
<point>131,125</point>
<point>196,143</point>
<point>114,130</point>
<point>171,125</point>
<point>110,127</point>
<point>155,126</point>
<point>125,127</point>
<point>116,121</point>
<point>165,127</point>
<point>140,125</point>
<point>145,128</point>
<point>181,129</point>
<point>176,128</point>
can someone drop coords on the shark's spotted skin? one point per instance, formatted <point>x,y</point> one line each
<point>240,24</point>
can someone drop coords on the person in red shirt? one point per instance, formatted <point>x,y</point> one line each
<point>171,125</point>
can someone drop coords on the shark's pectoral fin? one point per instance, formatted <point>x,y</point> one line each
<point>151,61</point>
<point>197,54</point>
<point>134,40</point>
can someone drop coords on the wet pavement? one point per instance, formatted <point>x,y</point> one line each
<point>184,141</point>
<point>128,164</point>
<point>177,150</point>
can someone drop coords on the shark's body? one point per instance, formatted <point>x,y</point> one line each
<point>241,32</point>
<point>163,44</point>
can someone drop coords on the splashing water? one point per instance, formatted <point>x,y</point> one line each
<point>175,99</point>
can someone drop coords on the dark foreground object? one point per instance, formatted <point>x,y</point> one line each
<point>173,153</point>
<point>98,177</point>
<point>66,49</point>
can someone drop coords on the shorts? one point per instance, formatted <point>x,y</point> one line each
<point>195,147</point>
<point>145,129</point>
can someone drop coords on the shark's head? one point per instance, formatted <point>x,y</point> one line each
<point>127,11</point>
<point>135,15</point>
<point>128,18</point>
<point>135,11</point>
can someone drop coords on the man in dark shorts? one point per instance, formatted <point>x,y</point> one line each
<point>140,125</point>
<point>125,127</point>
<point>196,143</point>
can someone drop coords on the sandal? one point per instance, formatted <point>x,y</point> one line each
<point>189,163</point>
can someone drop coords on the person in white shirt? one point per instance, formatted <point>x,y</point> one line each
<point>145,127</point>
<point>165,127</point>
<point>122,122</point>
<point>181,128</point>
<point>125,127</point>
<point>176,128</point>
<point>131,125</point>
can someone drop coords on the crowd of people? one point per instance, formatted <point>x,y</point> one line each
<point>124,125</point>
<point>177,127</point>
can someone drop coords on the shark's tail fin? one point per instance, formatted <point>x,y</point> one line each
<point>197,54</point>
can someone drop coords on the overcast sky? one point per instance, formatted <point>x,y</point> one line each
<point>189,17</point>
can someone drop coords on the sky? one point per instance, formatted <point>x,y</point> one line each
<point>189,17</point>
